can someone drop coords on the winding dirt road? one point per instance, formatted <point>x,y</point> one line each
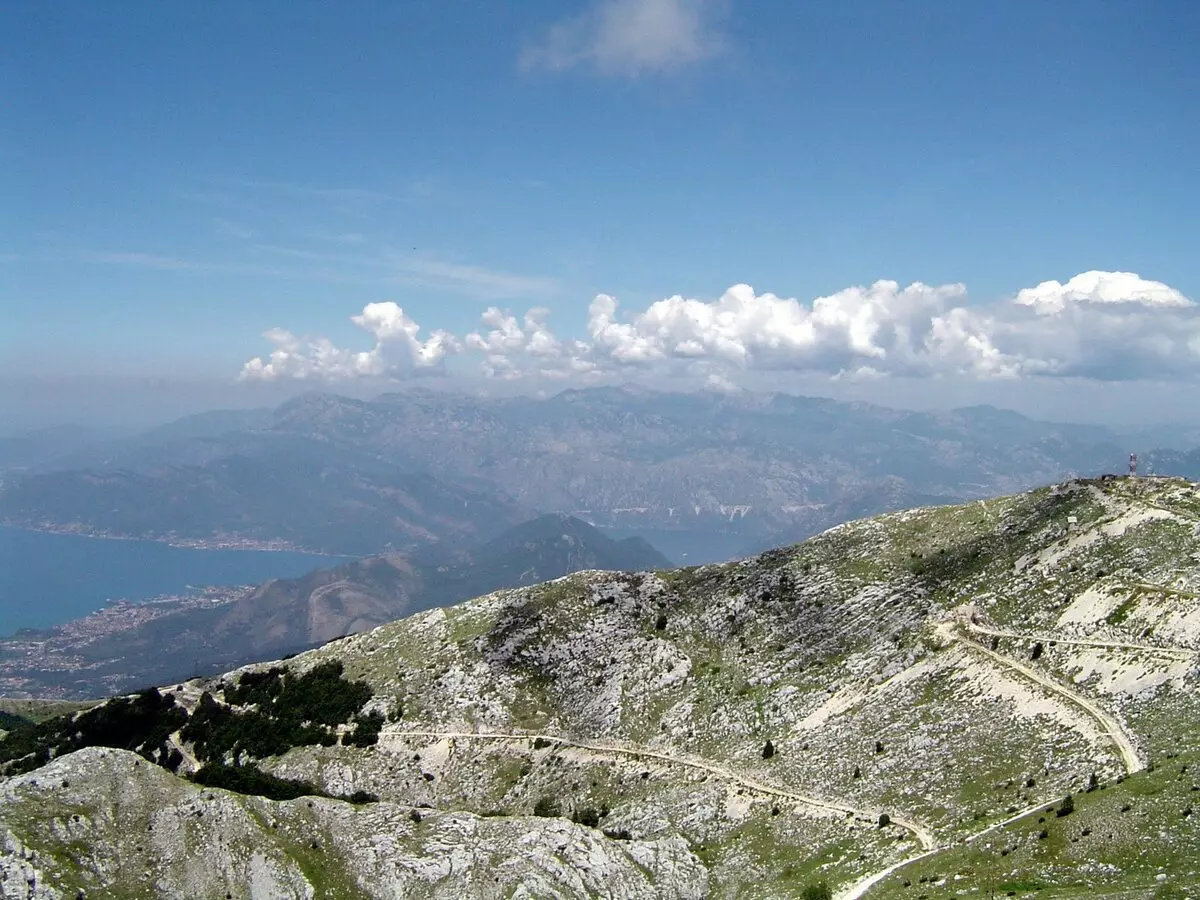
<point>177,742</point>
<point>859,888</point>
<point>1116,733</point>
<point>1112,728</point>
<point>1109,724</point>
<point>1172,652</point>
<point>923,835</point>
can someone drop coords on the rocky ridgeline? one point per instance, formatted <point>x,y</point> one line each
<point>150,834</point>
<point>886,691</point>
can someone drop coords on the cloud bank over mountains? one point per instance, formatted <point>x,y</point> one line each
<point>1107,326</point>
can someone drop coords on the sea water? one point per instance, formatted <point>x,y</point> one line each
<point>48,579</point>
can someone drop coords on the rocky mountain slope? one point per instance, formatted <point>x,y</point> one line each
<point>339,474</point>
<point>996,698</point>
<point>287,615</point>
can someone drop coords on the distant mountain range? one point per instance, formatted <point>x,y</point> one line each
<point>1173,462</point>
<point>261,489</point>
<point>331,473</point>
<point>289,615</point>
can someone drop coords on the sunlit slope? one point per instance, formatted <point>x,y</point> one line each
<point>885,691</point>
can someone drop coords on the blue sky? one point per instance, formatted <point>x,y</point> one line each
<point>180,178</point>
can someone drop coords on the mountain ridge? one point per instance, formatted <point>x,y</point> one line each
<point>820,713</point>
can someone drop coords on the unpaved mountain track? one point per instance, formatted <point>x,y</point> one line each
<point>923,835</point>
<point>1173,652</point>
<point>1179,514</point>
<point>1162,589</point>
<point>857,889</point>
<point>1109,724</point>
<point>178,743</point>
<point>1114,730</point>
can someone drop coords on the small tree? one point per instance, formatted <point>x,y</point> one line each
<point>546,807</point>
<point>1036,653</point>
<point>884,820</point>
<point>1066,807</point>
<point>588,815</point>
<point>768,750</point>
<point>660,624</point>
<point>818,890</point>
<point>858,772</point>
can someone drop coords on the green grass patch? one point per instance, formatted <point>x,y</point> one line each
<point>1122,611</point>
<point>1057,856</point>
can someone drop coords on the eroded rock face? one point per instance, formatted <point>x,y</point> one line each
<point>102,820</point>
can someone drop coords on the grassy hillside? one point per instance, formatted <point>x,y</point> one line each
<point>896,700</point>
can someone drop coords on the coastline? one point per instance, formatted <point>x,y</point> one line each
<point>181,543</point>
<point>48,579</point>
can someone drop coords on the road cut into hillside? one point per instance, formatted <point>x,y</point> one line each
<point>1116,733</point>
<point>922,834</point>
<point>1172,652</point>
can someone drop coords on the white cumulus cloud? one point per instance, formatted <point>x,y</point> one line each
<point>398,350</point>
<point>629,37</point>
<point>856,326</point>
<point>1100,287</point>
<point>513,348</point>
<point>1107,326</point>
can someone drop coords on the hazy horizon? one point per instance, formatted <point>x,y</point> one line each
<point>129,407</point>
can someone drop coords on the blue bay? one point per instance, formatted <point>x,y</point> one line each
<point>49,579</point>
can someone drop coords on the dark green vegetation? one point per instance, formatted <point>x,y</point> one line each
<point>268,713</point>
<point>9,721</point>
<point>262,714</point>
<point>141,723</point>
<point>250,779</point>
<point>366,730</point>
